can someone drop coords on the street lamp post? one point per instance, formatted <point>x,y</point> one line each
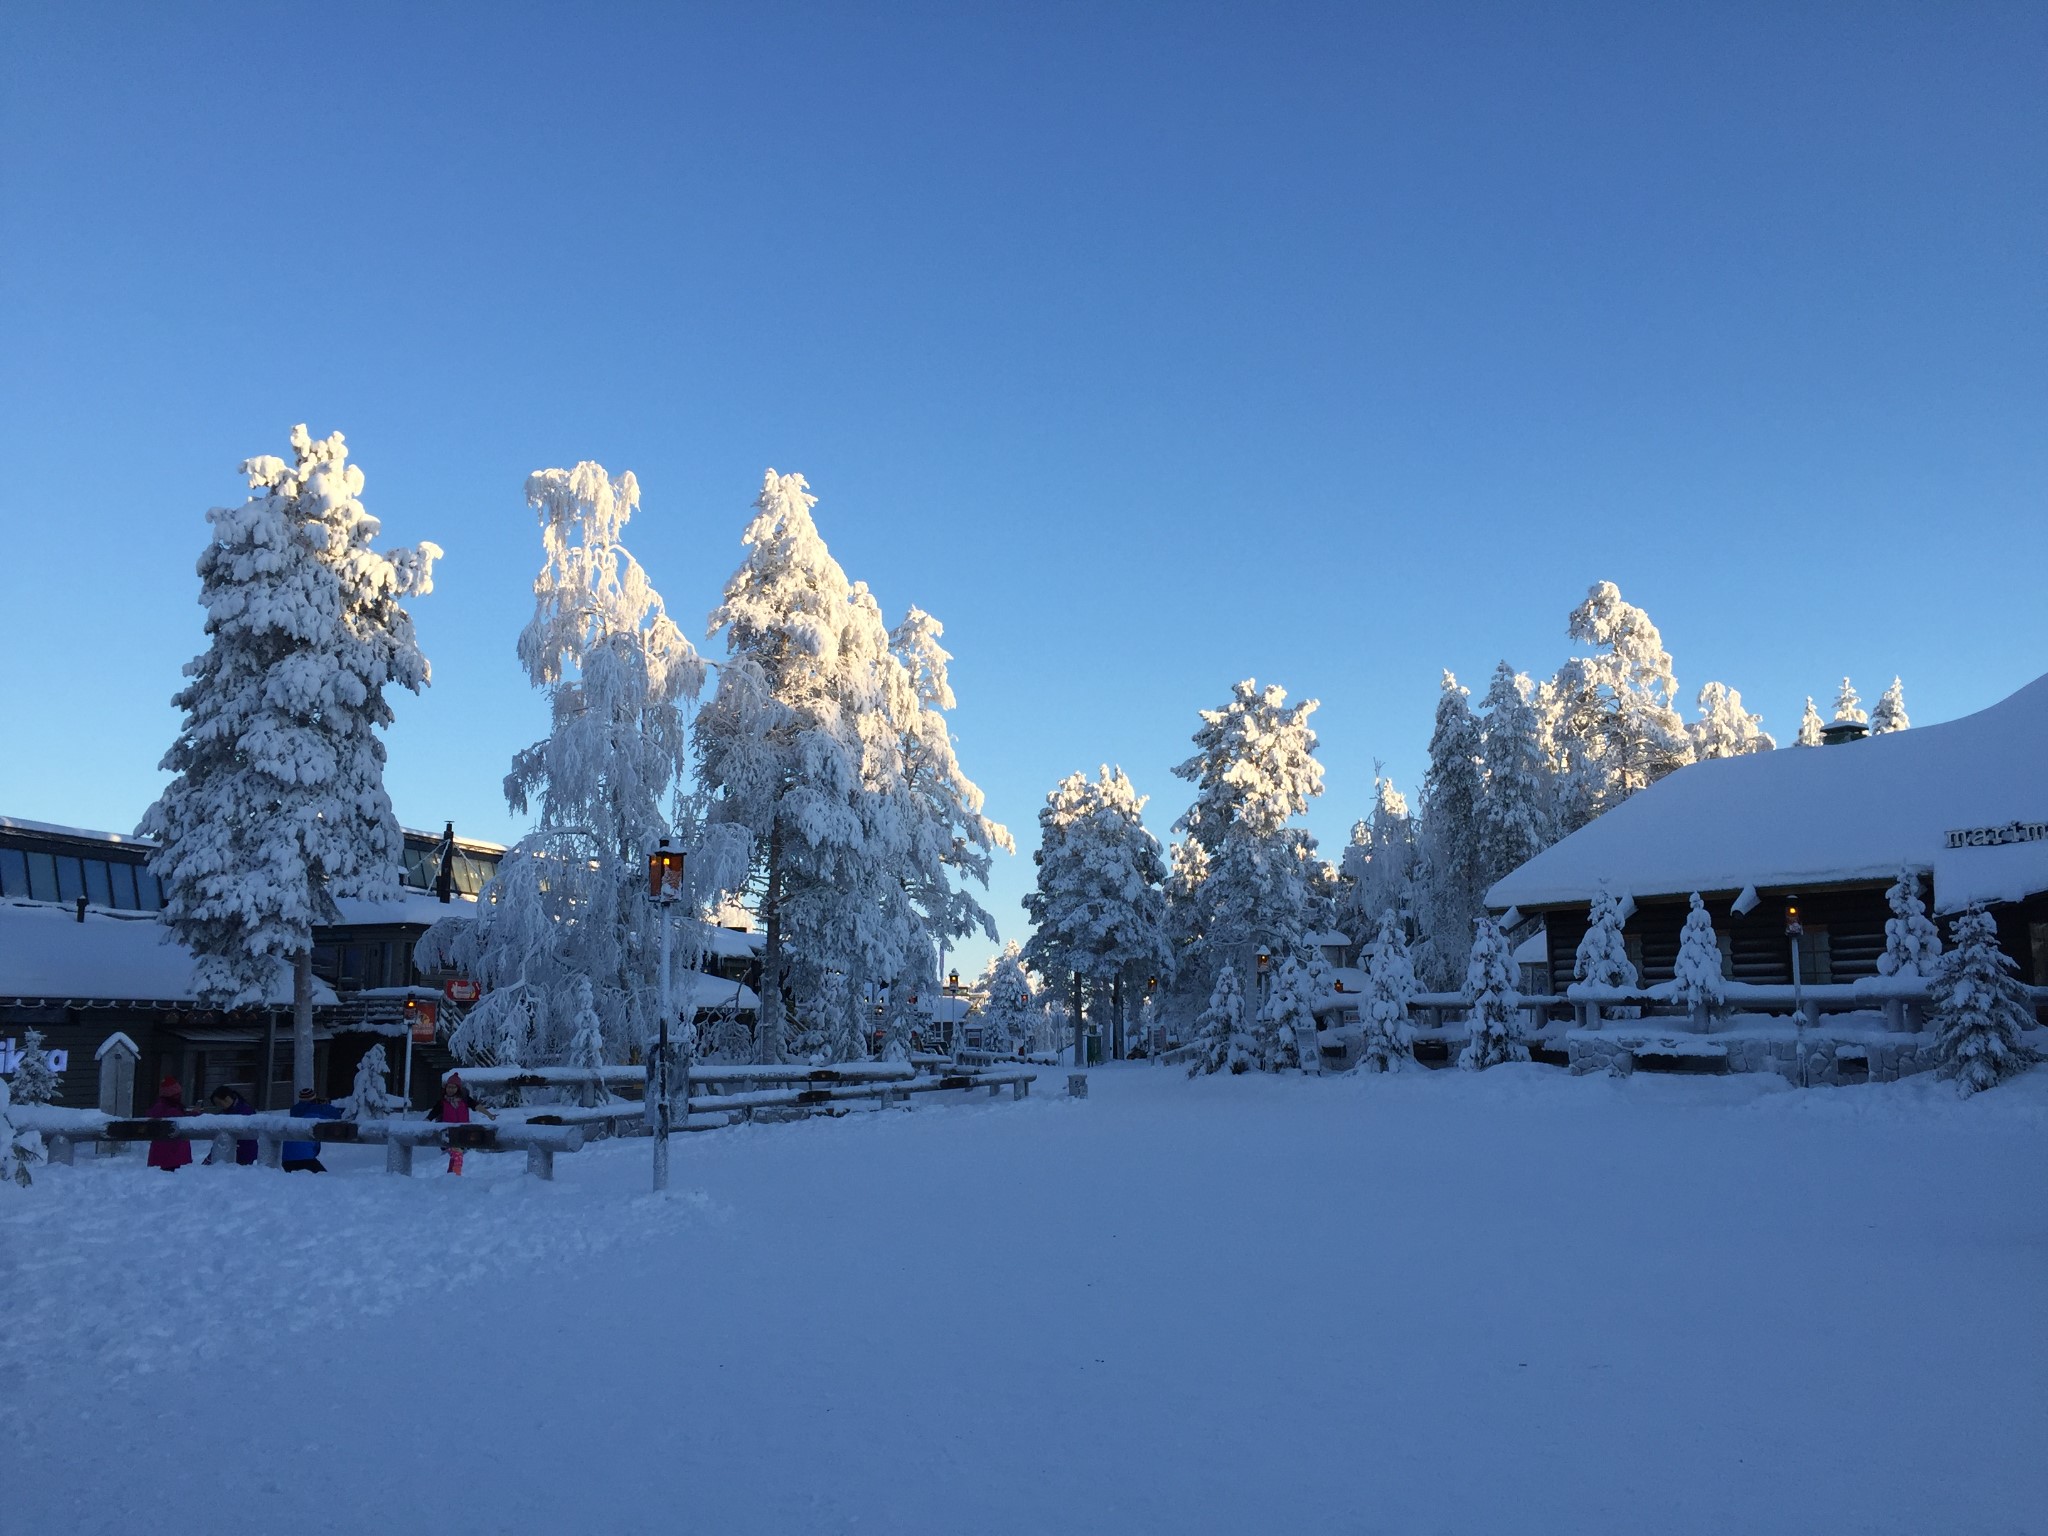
<point>1793,929</point>
<point>664,885</point>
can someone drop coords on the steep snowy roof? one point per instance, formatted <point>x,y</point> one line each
<point>1812,815</point>
<point>408,906</point>
<point>46,952</point>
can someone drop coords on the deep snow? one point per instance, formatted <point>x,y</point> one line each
<point>1433,1302</point>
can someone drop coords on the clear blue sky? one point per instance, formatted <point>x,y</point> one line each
<point>1149,347</point>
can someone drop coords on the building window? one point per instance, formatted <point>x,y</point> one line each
<point>1726,943</point>
<point>99,889</point>
<point>42,877</point>
<point>122,877</point>
<point>1816,962</point>
<point>1633,943</point>
<point>70,879</point>
<point>13,872</point>
<point>2038,933</point>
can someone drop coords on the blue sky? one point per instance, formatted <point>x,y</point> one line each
<point>1148,347</point>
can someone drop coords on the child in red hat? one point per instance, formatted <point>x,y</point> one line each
<point>169,1105</point>
<point>456,1108</point>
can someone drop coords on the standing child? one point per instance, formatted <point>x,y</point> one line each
<point>169,1105</point>
<point>456,1108</point>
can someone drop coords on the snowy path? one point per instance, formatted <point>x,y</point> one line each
<point>1526,1303</point>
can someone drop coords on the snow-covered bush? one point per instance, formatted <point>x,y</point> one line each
<point>20,1147</point>
<point>1912,944</point>
<point>1890,714</point>
<point>1697,977</point>
<point>1222,1037</point>
<point>35,1080</point>
<point>1602,959</point>
<point>1494,1027</point>
<point>1387,1039</point>
<point>1980,1008</point>
<point>370,1098</point>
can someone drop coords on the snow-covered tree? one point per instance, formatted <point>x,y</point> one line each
<point>567,908</point>
<point>20,1147</point>
<point>1453,805</point>
<point>370,1098</point>
<point>1494,1023</point>
<point>1098,907</point>
<point>1223,1037</point>
<point>1725,728</point>
<point>1602,959</point>
<point>1387,1038</point>
<point>1287,1032</point>
<point>1810,727</point>
<point>1006,1016</point>
<point>1890,714</point>
<point>1518,816</point>
<point>1848,707</point>
<point>1610,719</point>
<point>906,1016</point>
<point>1912,944</point>
<point>1980,1008</point>
<point>35,1080</point>
<point>278,804</point>
<point>1698,973</point>
<point>586,1031</point>
<point>1384,865</point>
<point>1254,770</point>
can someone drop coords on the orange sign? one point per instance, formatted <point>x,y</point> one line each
<point>462,991</point>
<point>422,1015</point>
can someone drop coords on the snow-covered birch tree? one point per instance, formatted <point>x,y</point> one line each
<point>278,806</point>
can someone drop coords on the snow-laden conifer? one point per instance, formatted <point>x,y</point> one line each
<point>567,906</point>
<point>1254,770</point>
<point>370,1096</point>
<point>1810,726</point>
<point>1602,959</point>
<point>1453,802</point>
<point>35,1080</point>
<point>1610,719</point>
<point>1386,871</point>
<point>20,1147</point>
<point>1980,1008</point>
<point>1387,1039</point>
<point>1223,1036</point>
<point>1697,977</point>
<point>1494,1021</point>
<point>1890,714</point>
<point>1725,728</point>
<point>1848,707</point>
<point>1288,1033</point>
<point>1006,1016</point>
<point>1518,814</point>
<point>1912,944</point>
<point>277,806</point>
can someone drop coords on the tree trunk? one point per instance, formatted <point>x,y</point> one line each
<point>302,1021</point>
<point>1080,1029</point>
<point>1118,1047</point>
<point>768,1033</point>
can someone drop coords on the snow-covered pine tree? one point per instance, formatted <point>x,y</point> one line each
<point>1494,1023</point>
<point>1610,719</point>
<point>35,1080</point>
<point>1518,815</point>
<point>20,1147</point>
<point>370,1097</point>
<point>1725,728</point>
<point>1912,944</point>
<point>1980,1008</point>
<point>1602,959</point>
<point>1848,707</point>
<point>586,1049</point>
<point>1288,1036</point>
<point>1453,808</point>
<point>1387,879</point>
<point>1006,1018</point>
<point>1254,770</point>
<point>1890,714</point>
<point>278,804</point>
<point>1223,1037</point>
<point>1098,907</point>
<point>1387,1039</point>
<point>1810,726</point>
<point>1698,973</point>
<point>568,904</point>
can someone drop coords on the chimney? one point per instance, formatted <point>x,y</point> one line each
<point>444,882</point>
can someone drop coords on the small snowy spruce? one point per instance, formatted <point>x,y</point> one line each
<point>1848,707</point>
<point>1980,1008</point>
<point>370,1098</point>
<point>35,1080</point>
<point>1912,944</point>
<point>1006,1017</point>
<point>1288,1035</point>
<point>1810,726</point>
<point>1222,1036</point>
<point>1494,1024</point>
<point>20,1147</point>
<point>1386,1043</point>
<point>1890,714</point>
<point>1725,728</point>
<point>1697,977</point>
<point>1602,959</point>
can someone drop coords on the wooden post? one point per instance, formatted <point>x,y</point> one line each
<point>302,1022</point>
<point>540,1162</point>
<point>58,1150</point>
<point>269,1150</point>
<point>398,1157</point>
<point>224,1149</point>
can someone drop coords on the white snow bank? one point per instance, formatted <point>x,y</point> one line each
<point>46,952</point>
<point>1800,815</point>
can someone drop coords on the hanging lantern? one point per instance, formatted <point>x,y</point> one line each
<point>664,873</point>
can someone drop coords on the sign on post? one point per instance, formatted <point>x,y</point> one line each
<point>462,991</point>
<point>423,1017</point>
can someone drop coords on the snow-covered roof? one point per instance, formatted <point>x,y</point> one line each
<point>1534,950</point>
<point>1813,815</point>
<point>129,957</point>
<point>701,989</point>
<point>86,834</point>
<point>409,906</point>
<point>1330,939</point>
<point>729,944</point>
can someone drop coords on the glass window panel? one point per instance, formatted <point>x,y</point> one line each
<point>123,876</point>
<point>70,878</point>
<point>13,872</point>
<point>42,877</point>
<point>149,896</point>
<point>99,889</point>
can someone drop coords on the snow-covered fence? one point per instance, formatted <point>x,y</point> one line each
<point>968,1056</point>
<point>62,1129</point>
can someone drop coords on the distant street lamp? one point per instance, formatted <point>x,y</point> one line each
<point>1793,929</point>
<point>664,886</point>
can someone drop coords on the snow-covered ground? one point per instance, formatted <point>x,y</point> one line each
<point>1517,1302</point>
